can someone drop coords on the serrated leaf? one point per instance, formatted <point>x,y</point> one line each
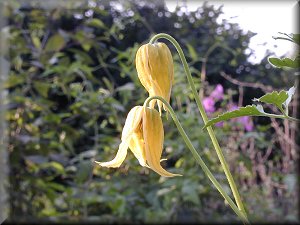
<point>285,62</point>
<point>275,98</point>
<point>290,63</point>
<point>249,110</point>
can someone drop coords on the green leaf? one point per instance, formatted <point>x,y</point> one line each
<point>81,56</point>
<point>36,41</point>
<point>42,88</point>
<point>14,80</point>
<point>192,52</point>
<point>56,186</point>
<point>52,118</point>
<point>95,23</point>
<point>55,165</point>
<point>285,62</point>
<point>291,63</point>
<point>275,98</point>
<point>275,62</point>
<point>86,46</point>
<point>55,43</point>
<point>249,110</point>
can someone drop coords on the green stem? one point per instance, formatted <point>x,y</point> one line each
<point>205,119</point>
<point>292,119</point>
<point>198,158</point>
<point>284,116</point>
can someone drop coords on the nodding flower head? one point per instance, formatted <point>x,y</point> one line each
<point>154,64</point>
<point>143,133</point>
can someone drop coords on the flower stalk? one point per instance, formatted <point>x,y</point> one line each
<point>198,158</point>
<point>205,120</point>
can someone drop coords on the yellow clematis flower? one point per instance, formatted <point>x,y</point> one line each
<point>143,133</point>
<point>154,65</point>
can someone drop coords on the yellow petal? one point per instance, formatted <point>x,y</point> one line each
<point>142,67</point>
<point>155,69</point>
<point>133,120</point>
<point>120,157</point>
<point>136,145</point>
<point>153,134</point>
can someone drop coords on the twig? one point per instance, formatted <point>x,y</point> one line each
<point>241,96</point>
<point>269,151</point>
<point>281,134</point>
<point>246,84</point>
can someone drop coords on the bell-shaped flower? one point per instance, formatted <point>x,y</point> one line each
<point>143,134</point>
<point>154,65</point>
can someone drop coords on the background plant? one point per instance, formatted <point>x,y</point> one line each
<point>71,84</point>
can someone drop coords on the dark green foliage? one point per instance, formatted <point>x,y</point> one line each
<point>71,83</point>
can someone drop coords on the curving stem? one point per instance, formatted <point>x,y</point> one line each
<point>205,119</point>
<point>198,157</point>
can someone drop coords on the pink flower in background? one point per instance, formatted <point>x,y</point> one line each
<point>246,121</point>
<point>218,93</point>
<point>233,107</point>
<point>209,104</point>
<point>219,124</point>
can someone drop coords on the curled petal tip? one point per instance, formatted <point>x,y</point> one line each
<point>108,164</point>
<point>119,158</point>
<point>165,173</point>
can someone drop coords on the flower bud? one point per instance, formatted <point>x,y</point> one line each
<point>154,64</point>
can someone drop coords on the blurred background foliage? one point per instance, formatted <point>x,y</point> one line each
<point>73,80</point>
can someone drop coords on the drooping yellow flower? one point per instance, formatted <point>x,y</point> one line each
<point>143,133</point>
<point>154,65</point>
